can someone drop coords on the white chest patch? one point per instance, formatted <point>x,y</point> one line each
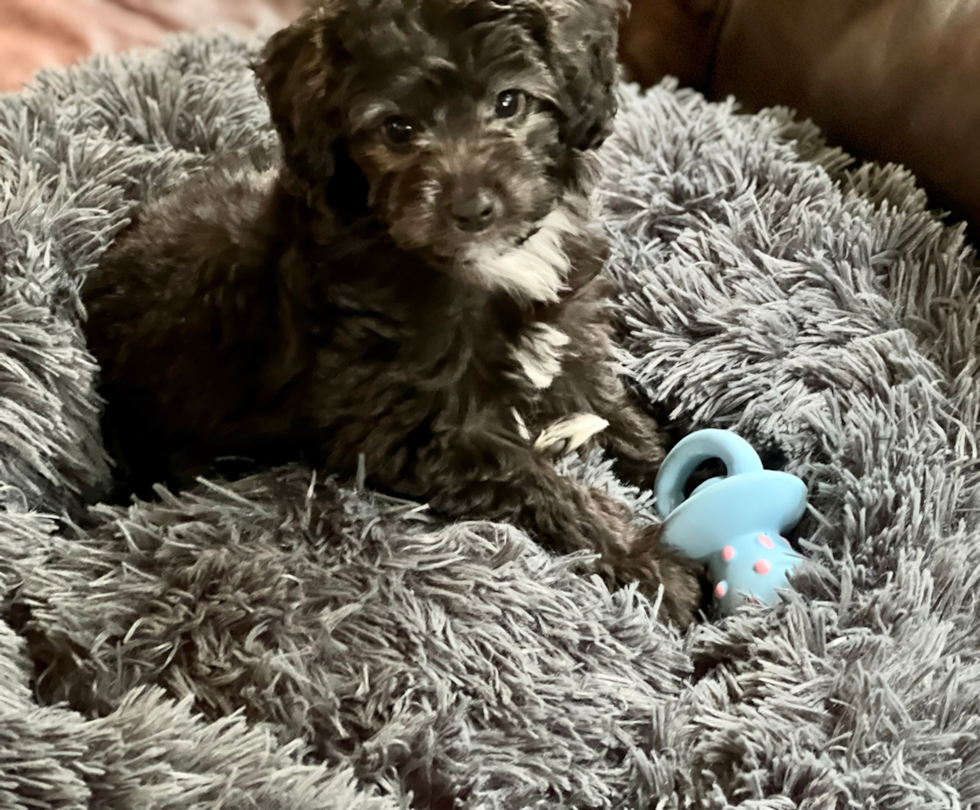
<point>539,354</point>
<point>535,270</point>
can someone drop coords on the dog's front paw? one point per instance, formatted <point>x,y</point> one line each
<point>653,566</point>
<point>683,594</point>
<point>569,433</point>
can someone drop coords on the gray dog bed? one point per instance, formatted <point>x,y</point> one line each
<point>292,642</point>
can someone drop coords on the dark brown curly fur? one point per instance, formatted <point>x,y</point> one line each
<point>414,280</point>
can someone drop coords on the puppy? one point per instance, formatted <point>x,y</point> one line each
<point>414,280</point>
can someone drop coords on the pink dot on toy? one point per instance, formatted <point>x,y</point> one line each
<point>762,566</point>
<point>766,542</point>
<point>721,589</point>
<point>728,554</point>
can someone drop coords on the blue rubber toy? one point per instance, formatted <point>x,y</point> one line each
<point>735,523</point>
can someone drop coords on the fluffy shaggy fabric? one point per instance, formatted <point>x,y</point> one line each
<point>287,642</point>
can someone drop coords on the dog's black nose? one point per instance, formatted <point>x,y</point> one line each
<point>474,212</point>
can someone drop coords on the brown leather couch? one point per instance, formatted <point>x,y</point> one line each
<point>893,80</point>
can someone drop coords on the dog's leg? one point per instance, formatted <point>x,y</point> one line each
<point>593,402</point>
<point>633,439</point>
<point>590,400</point>
<point>495,479</point>
<point>636,442</point>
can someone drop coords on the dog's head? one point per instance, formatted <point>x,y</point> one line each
<point>459,124</point>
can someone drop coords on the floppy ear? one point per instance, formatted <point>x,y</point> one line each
<point>294,72</point>
<point>582,43</point>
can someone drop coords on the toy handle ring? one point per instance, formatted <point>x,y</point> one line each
<point>691,452</point>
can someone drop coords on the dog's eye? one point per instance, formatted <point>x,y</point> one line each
<point>509,103</point>
<point>398,130</point>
